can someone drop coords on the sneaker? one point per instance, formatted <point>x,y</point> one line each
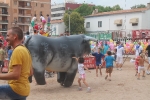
<point>147,72</point>
<point>120,69</point>
<point>88,90</point>
<point>80,89</point>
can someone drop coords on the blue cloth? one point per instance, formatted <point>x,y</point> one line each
<point>109,61</point>
<point>7,93</point>
<point>106,47</point>
<point>9,54</point>
<point>137,47</point>
<point>48,20</point>
<point>98,57</point>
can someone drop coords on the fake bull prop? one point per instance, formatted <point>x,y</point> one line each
<point>56,54</point>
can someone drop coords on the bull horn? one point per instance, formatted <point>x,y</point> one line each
<point>88,38</point>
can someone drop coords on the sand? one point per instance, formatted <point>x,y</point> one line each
<point>124,86</point>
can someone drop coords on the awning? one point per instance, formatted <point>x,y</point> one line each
<point>118,21</point>
<point>134,20</point>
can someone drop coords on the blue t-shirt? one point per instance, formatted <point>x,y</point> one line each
<point>109,61</point>
<point>98,57</point>
<point>106,47</point>
<point>9,54</point>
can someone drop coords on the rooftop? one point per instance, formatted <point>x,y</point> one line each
<point>118,12</point>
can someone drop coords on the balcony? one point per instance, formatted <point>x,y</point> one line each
<point>24,15</point>
<point>23,23</point>
<point>3,29</point>
<point>5,13</point>
<point>24,7</point>
<point>25,0</point>
<point>3,21</point>
<point>3,5</point>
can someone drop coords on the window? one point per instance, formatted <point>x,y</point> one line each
<point>119,24</point>
<point>28,4</point>
<point>40,12</point>
<point>87,24</point>
<point>28,19</point>
<point>134,24</point>
<point>42,5</point>
<point>99,23</point>
<point>36,4</point>
<point>15,2</point>
<point>15,19</point>
<point>15,10</point>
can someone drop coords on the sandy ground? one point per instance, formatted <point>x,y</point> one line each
<point>124,86</point>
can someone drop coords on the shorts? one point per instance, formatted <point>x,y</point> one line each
<point>43,21</point>
<point>149,60</point>
<point>48,24</point>
<point>109,70</point>
<point>1,63</point>
<point>32,23</point>
<point>82,76</point>
<point>141,68</point>
<point>6,93</point>
<point>119,60</point>
<point>98,64</point>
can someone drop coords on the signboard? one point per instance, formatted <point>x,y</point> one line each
<point>140,34</point>
<point>105,36</point>
<point>90,62</point>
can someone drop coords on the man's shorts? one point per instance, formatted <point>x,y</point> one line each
<point>140,68</point>
<point>149,60</point>
<point>48,24</point>
<point>32,23</point>
<point>98,64</point>
<point>82,76</point>
<point>119,60</point>
<point>109,70</point>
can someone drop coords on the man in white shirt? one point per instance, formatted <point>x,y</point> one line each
<point>138,49</point>
<point>119,59</point>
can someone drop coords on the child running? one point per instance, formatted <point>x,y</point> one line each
<point>82,73</point>
<point>109,65</point>
<point>98,57</point>
<point>141,67</point>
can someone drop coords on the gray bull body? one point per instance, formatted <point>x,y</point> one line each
<point>56,54</point>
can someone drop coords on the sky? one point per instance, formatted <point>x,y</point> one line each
<point>125,4</point>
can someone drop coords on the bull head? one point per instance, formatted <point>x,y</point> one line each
<point>88,38</point>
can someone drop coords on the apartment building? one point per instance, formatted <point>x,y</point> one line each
<point>22,11</point>
<point>4,18</point>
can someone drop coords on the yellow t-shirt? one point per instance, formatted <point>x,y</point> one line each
<point>21,56</point>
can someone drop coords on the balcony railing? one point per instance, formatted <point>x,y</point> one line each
<point>3,29</point>
<point>21,22</point>
<point>23,6</point>
<point>23,14</point>
<point>3,12</point>
<point>3,5</point>
<point>3,21</point>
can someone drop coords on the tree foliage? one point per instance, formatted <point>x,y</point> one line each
<point>86,9</point>
<point>138,6</point>
<point>76,23</point>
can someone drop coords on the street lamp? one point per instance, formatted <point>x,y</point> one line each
<point>69,19</point>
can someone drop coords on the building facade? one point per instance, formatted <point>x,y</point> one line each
<point>58,10</point>
<point>119,23</point>
<point>4,18</point>
<point>22,11</point>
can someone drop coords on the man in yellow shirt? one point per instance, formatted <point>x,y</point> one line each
<point>20,69</point>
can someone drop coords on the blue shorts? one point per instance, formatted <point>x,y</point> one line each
<point>98,64</point>
<point>7,93</point>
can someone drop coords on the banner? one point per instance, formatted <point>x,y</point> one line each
<point>90,62</point>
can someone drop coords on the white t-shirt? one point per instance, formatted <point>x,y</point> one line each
<point>138,50</point>
<point>96,49</point>
<point>33,19</point>
<point>120,51</point>
<point>42,18</point>
<point>81,69</point>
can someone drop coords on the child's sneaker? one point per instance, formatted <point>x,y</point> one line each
<point>88,90</point>
<point>147,72</point>
<point>120,69</point>
<point>80,89</point>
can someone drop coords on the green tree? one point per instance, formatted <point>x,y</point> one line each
<point>138,6</point>
<point>116,7</point>
<point>84,10</point>
<point>76,23</point>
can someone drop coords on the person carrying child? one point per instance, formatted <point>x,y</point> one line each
<point>98,55</point>
<point>109,65</point>
<point>82,73</point>
<point>141,60</point>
